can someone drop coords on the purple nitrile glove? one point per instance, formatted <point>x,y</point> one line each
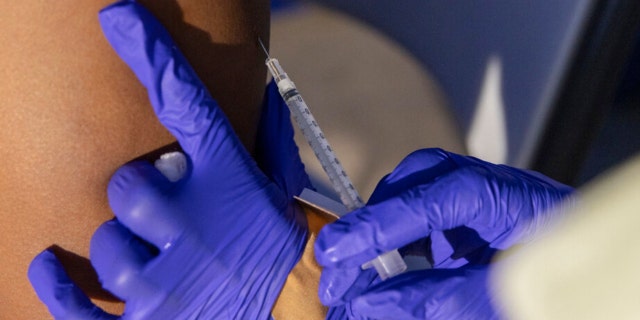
<point>454,210</point>
<point>439,294</point>
<point>217,244</point>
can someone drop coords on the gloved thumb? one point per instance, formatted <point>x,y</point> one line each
<point>276,151</point>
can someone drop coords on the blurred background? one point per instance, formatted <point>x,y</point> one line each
<point>547,85</point>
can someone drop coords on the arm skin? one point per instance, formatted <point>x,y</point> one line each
<point>72,113</point>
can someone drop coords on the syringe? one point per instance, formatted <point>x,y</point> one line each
<point>387,264</point>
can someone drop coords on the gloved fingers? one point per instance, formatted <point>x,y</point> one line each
<point>138,197</point>
<point>59,293</point>
<point>442,252</point>
<point>181,102</point>
<point>428,294</point>
<point>451,248</point>
<point>338,286</point>
<point>453,200</point>
<point>467,247</point>
<point>276,152</point>
<point>419,167</point>
<point>337,313</point>
<point>118,256</point>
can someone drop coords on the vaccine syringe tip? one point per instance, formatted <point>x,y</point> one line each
<point>266,52</point>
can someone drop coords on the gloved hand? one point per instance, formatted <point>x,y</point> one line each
<point>456,211</point>
<point>217,244</point>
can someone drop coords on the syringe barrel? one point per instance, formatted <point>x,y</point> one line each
<point>387,264</point>
<point>315,137</point>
